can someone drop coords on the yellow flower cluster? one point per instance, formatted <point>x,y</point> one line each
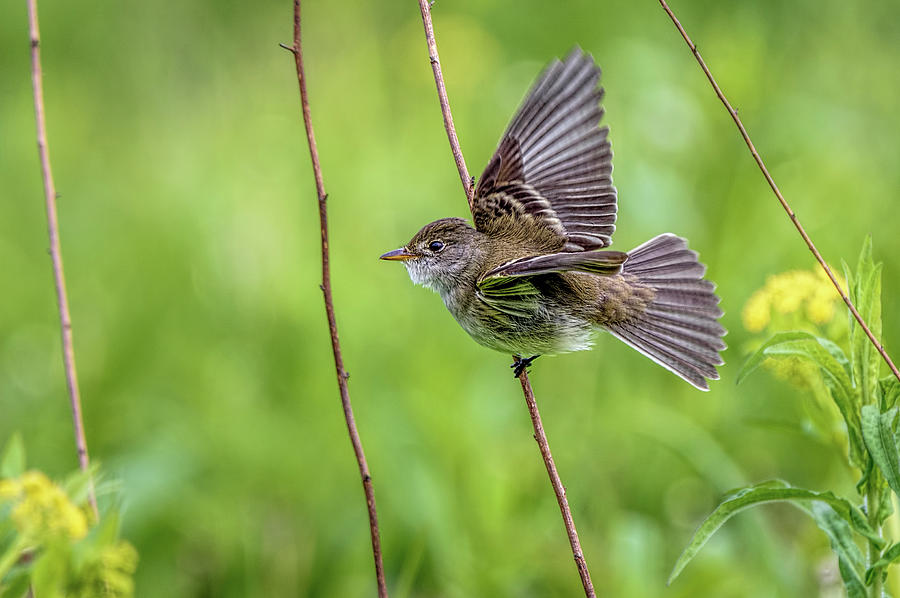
<point>807,293</point>
<point>41,509</point>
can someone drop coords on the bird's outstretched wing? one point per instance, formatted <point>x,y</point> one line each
<point>554,163</point>
<point>510,287</point>
<point>602,263</point>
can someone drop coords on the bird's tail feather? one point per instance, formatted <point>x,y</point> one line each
<point>679,329</point>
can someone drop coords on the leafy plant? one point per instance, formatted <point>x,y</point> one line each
<point>48,542</point>
<point>868,407</point>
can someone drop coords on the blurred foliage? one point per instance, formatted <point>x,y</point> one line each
<point>865,409</point>
<point>190,237</point>
<point>802,300</point>
<point>45,541</point>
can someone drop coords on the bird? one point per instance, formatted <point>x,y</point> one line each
<point>531,275</point>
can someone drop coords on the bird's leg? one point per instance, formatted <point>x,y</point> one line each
<point>521,363</point>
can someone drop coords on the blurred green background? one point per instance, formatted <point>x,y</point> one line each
<point>190,235</point>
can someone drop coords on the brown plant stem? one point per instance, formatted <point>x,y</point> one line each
<point>771,181</point>
<point>62,301</point>
<point>425,7</point>
<point>558,487</point>
<point>342,375</point>
<point>539,435</point>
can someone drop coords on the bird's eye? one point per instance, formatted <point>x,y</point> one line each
<point>436,246</point>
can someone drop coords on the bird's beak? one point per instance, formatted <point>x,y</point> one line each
<point>398,255</point>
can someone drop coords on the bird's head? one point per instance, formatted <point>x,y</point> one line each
<point>439,255</point>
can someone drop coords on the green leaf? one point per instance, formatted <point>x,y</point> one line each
<point>865,292</point>
<point>837,353</point>
<point>833,365</point>
<point>766,492</point>
<point>11,555</point>
<point>850,559</point>
<point>12,461</point>
<point>757,359</point>
<point>885,504</point>
<point>889,556</point>
<point>108,530</point>
<point>851,580</point>
<point>17,585</point>
<point>50,572</point>
<point>890,391</point>
<point>878,434</point>
<point>77,484</point>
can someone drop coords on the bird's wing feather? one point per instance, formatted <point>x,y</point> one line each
<point>603,263</point>
<point>554,163</point>
<point>512,296</point>
<point>509,287</point>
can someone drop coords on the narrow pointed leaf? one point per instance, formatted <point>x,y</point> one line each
<point>850,558</point>
<point>865,292</point>
<point>767,492</point>
<point>834,368</point>
<point>78,483</point>
<point>889,556</point>
<point>890,391</point>
<point>757,359</point>
<point>851,580</point>
<point>49,572</point>
<point>885,504</point>
<point>878,433</point>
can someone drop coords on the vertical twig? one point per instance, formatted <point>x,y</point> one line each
<point>342,374</point>
<point>539,435</point>
<point>558,487</point>
<point>771,181</point>
<point>425,7</point>
<point>65,319</point>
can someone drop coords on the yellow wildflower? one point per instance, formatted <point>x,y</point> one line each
<point>756,311</point>
<point>820,310</point>
<point>792,298</point>
<point>788,290</point>
<point>41,508</point>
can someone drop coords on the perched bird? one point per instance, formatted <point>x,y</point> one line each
<point>528,278</point>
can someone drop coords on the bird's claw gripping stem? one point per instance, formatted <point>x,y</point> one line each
<point>521,364</point>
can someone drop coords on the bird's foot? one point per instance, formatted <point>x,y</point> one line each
<point>521,364</point>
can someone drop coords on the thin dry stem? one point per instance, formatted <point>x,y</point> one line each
<point>62,301</point>
<point>558,487</point>
<point>425,7</point>
<point>342,374</point>
<point>771,181</point>
<point>539,435</point>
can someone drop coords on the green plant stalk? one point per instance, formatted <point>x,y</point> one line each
<point>873,553</point>
<point>11,556</point>
<point>893,580</point>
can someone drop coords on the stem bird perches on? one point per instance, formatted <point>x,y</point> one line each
<point>784,204</point>
<point>342,374</point>
<point>558,487</point>
<point>469,188</point>
<point>62,301</point>
<point>539,435</point>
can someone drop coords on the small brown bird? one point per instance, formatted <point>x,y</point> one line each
<point>528,279</point>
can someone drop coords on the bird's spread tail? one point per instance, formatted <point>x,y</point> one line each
<point>679,328</point>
